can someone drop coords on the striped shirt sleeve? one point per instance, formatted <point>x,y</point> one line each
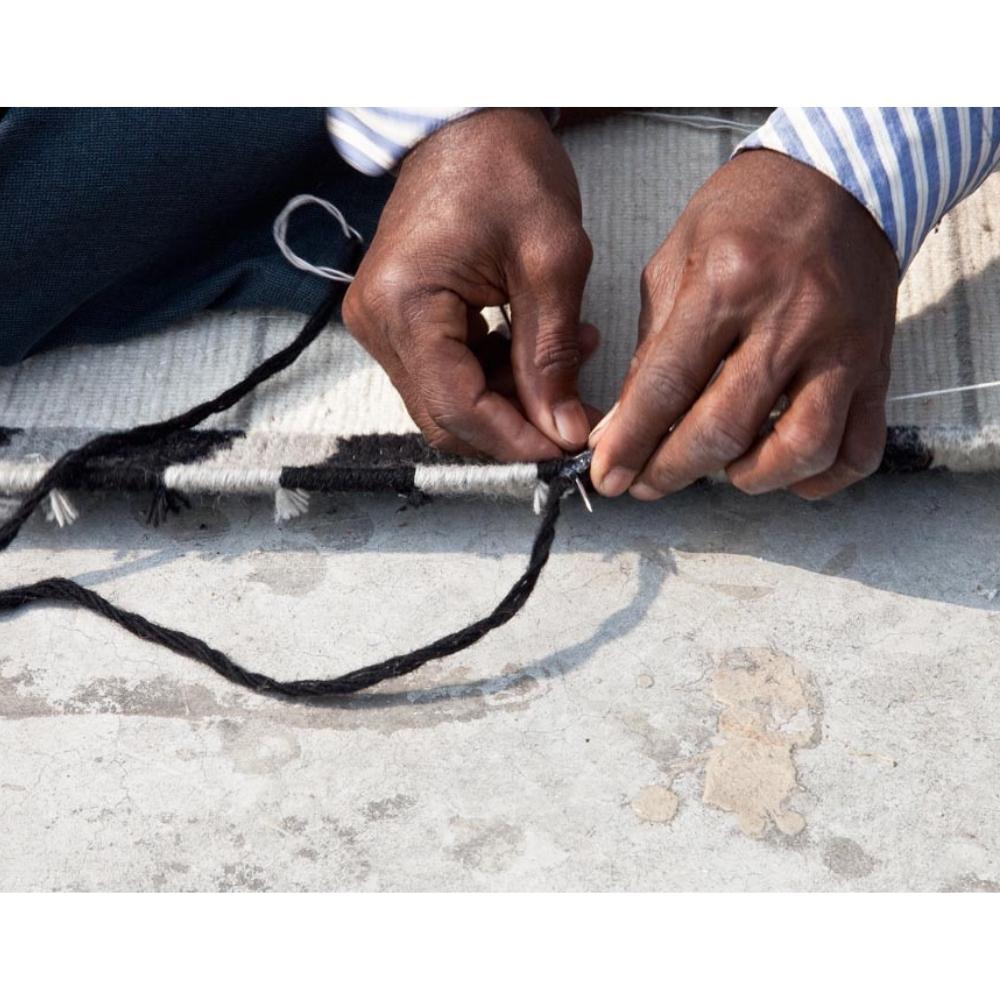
<point>375,140</point>
<point>907,166</point>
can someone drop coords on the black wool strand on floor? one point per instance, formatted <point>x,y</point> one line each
<point>64,591</point>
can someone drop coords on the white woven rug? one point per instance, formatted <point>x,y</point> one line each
<point>335,411</point>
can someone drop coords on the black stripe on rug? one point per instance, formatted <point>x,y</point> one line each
<point>142,468</point>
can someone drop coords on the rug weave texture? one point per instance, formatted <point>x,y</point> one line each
<point>334,422</point>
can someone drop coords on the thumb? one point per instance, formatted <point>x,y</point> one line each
<point>547,347</point>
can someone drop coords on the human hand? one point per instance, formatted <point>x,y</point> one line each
<point>779,272</point>
<point>485,211</point>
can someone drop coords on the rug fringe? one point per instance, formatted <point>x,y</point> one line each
<point>61,509</point>
<point>289,503</point>
<point>540,497</point>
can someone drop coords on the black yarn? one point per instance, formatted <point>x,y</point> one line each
<point>64,591</point>
<point>146,434</point>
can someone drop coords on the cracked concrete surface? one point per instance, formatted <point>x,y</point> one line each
<point>712,692</point>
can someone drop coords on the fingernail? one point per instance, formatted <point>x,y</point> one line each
<point>616,481</point>
<point>601,426</point>
<point>642,491</point>
<point>571,422</point>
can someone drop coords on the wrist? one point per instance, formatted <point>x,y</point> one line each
<point>907,166</point>
<point>810,197</point>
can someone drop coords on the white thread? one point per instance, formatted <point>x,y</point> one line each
<point>514,480</point>
<point>20,477</point>
<point>540,497</point>
<point>943,392</point>
<point>707,122</point>
<point>61,509</point>
<point>209,478</point>
<point>280,232</point>
<point>289,504</point>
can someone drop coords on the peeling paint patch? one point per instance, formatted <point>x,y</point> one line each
<point>656,804</point>
<point>847,859</point>
<point>159,697</point>
<point>256,748</point>
<point>288,573</point>
<point>242,877</point>
<point>770,710</point>
<point>388,808</point>
<point>483,846</point>
<point>971,883</point>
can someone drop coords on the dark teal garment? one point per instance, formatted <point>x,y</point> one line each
<point>114,222</point>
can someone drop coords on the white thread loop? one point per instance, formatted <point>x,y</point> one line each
<point>280,232</point>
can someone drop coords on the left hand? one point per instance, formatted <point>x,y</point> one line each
<point>778,274</point>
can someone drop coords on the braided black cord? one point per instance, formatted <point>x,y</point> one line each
<point>64,591</point>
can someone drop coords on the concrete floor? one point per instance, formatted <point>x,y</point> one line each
<point>713,692</point>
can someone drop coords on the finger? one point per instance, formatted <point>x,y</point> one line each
<point>546,352</point>
<point>805,439</point>
<point>374,340</point>
<point>721,426</point>
<point>860,452</point>
<point>495,358</point>
<point>594,415</point>
<point>668,372</point>
<point>659,285</point>
<point>437,437</point>
<point>453,390</point>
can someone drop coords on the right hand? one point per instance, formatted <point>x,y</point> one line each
<point>486,211</point>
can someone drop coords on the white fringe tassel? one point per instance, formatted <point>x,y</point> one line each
<point>541,496</point>
<point>61,509</point>
<point>289,504</point>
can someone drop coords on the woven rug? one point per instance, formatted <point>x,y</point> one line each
<point>333,421</point>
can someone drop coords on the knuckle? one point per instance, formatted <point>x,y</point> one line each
<point>810,448</point>
<point>387,285</point>
<point>558,253</point>
<point>723,439</point>
<point>862,462</point>
<point>731,264</point>
<point>661,476</point>
<point>664,386</point>
<point>557,356</point>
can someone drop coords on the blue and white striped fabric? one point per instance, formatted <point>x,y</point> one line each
<point>375,140</point>
<point>907,166</point>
